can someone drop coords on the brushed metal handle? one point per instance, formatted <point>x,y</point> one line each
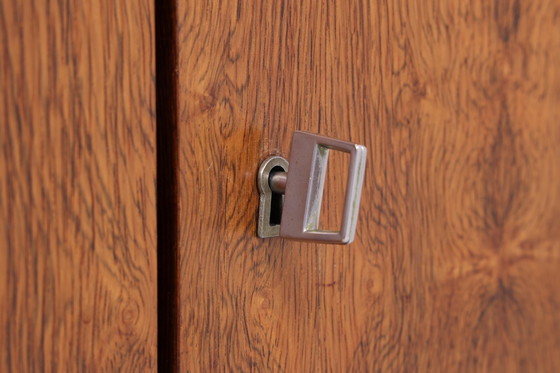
<point>299,190</point>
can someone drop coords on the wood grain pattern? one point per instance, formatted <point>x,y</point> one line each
<point>77,194</point>
<point>456,262</point>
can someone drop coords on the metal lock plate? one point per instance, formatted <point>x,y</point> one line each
<point>268,226</point>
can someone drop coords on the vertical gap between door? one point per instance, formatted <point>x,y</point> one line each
<point>167,192</point>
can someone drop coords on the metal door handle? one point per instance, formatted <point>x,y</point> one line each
<point>296,189</point>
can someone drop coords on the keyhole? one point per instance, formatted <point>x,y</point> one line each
<point>276,201</point>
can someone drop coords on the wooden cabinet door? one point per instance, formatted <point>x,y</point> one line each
<point>456,262</point>
<point>78,285</point>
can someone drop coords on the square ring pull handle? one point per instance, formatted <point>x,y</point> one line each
<point>299,192</point>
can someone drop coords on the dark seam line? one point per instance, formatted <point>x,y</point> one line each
<point>167,190</point>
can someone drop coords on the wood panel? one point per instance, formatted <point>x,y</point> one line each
<point>77,191</point>
<point>455,264</point>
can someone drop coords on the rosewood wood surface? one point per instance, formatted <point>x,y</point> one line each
<point>77,186</point>
<point>456,262</point>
